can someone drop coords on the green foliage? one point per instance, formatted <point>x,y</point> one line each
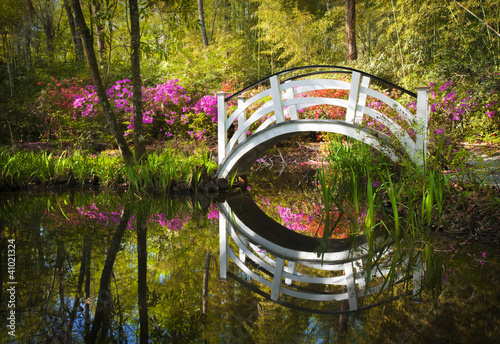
<point>410,43</point>
<point>291,39</point>
<point>160,171</point>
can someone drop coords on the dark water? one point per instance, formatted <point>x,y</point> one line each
<point>97,265</point>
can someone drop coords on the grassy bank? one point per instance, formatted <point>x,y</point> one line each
<point>173,167</point>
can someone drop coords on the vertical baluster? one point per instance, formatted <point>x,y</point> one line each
<point>292,109</point>
<point>242,118</point>
<point>365,82</point>
<point>224,262</point>
<point>276,94</point>
<point>221,125</point>
<point>243,256</point>
<point>353,98</point>
<point>290,269</point>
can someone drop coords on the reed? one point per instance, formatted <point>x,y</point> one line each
<point>399,207</point>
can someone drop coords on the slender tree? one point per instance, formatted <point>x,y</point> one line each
<point>27,32</point>
<point>135,66</point>
<point>350,29</point>
<point>77,40</point>
<point>99,86</point>
<point>142,269</point>
<point>50,25</point>
<point>104,300</point>
<point>99,31</point>
<point>201,15</point>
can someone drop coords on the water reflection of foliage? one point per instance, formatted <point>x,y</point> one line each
<point>464,312</point>
<point>50,237</point>
<point>50,258</point>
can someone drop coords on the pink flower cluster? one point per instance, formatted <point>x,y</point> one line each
<point>167,105</point>
<point>449,103</point>
<point>208,105</point>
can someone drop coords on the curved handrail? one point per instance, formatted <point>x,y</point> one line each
<point>341,70</point>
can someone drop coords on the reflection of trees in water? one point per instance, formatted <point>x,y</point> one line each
<point>61,258</point>
<point>82,268</point>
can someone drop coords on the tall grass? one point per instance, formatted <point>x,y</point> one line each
<point>159,171</point>
<point>390,204</point>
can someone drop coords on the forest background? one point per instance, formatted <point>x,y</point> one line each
<point>191,49</point>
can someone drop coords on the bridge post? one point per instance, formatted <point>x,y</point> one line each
<point>242,118</point>
<point>365,82</point>
<point>418,275</point>
<point>422,121</point>
<point>352,102</point>
<point>276,94</point>
<point>224,259</point>
<point>350,286</point>
<point>221,125</point>
<point>278,272</point>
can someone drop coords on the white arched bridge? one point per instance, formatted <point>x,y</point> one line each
<point>280,106</point>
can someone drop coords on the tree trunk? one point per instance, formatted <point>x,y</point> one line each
<point>27,33</point>
<point>80,54</point>
<point>99,31</point>
<point>135,66</point>
<point>81,277</point>
<point>201,15</point>
<point>204,293</point>
<point>88,251</point>
<point>142,268</point>
<point>343,322</point>
<point>50,34</point>
<point>350,29</point>
<point>105,299</point>
<point>99,87</point>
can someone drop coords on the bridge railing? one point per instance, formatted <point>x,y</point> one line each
<point>287,100</point>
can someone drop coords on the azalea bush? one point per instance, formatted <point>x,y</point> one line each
<point>54,108</point>
<point>168,110</point>
<point>458,116</point>
<point>325,111</point>
<point>71,111</point>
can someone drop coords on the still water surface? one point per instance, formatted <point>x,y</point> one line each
<point>97,265</point>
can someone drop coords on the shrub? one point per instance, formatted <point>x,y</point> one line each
<point>71,111</point>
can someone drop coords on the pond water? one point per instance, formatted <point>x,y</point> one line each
<point>95,266</point>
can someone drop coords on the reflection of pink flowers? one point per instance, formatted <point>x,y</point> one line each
<point>174,224</point>
<point>483,256</point>
<point>213,213</point>
<point>107,218</point>
<point>296,222</point>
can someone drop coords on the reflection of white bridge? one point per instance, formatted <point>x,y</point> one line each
<point>288,263</point>
<point>278,108</point>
